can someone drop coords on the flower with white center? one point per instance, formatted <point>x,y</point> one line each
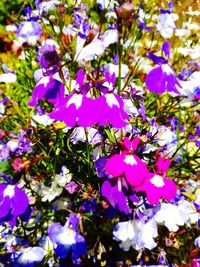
<point>31,256</point>
<point>79,135</point>
<point>157,186</point>
<point>66,239</point>
<point>49,193</point>
<point>166,24</point>
<point>114,68</point>
<point>157,180</point>
<point>130,160</point>
<point>197,241</point>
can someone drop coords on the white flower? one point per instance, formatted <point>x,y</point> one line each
<point>41,119</point>
<point>136,234</point>
<point>51,192</point>
<point>173,216</point>
<point>113,68</point>
<point>166,24</point>
<point>8,78</point>
<point>165,136</point>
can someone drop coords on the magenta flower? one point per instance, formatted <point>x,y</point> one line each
<point>110,108</point>
<point>127,164</point>
<point>157,186</point>
<point>76,109</point>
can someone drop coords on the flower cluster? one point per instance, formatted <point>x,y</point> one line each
<point>100,134</point>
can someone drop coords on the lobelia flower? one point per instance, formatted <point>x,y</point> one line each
<point>117,192</point>
<point>55,189</point>
<point>2,106</point>
<point>66,239</point>
<point>110,106</point>
<point>137,234</point>
<point>48,88</point>
<point>127,164</point>
<point>166,21</point>
<point>96,47</point>
<point>48,56</point>
<point>79,134</point>
<point>174,215</point>
<point>76,108</point>
<point>28,257</point>
<point>197,241</point>
<point>8,76</point>
<point>156,185</point>
<point>162,78</point>
<point>17,145</point>
<point>13,203</point>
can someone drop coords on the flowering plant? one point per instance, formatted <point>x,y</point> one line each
<point>100,135</point>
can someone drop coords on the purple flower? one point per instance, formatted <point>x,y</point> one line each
<point>49,88</point>
<point>67,240</point>
<point>100,166</point>
<point>17,145</point>
<point>48,56</point>
<point>73,187</point>
<point>162,78</point>
<point>117,192</point>
<point>13,203</point>
<point>76,109</point>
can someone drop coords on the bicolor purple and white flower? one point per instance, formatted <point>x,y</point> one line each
<point>30,30</point>
<point>27,257</point>
<point>66,239</point>
<point>47,88</point>
<point>162,78</point>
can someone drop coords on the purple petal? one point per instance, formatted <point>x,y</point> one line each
<point>19,202</point>
<point>5,207</point>
<point>166,49</point>
<point>79,247</point>
<point>100,166</point>
<point>156,59</point>
<point>80,77</point>
<point>156,81</point>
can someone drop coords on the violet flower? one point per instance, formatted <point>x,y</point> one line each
<point>49,88</point>
<point>28,257</point>
<point>48,56</point>
<point>76,108</point>
<point>13,203</point>
<point>110,106</point>
<point>117,192</point>
<point>162,78</point>
<point>66,239</point>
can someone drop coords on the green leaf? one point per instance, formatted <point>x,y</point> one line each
<point>4,166</point>
<point>110,136</point>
